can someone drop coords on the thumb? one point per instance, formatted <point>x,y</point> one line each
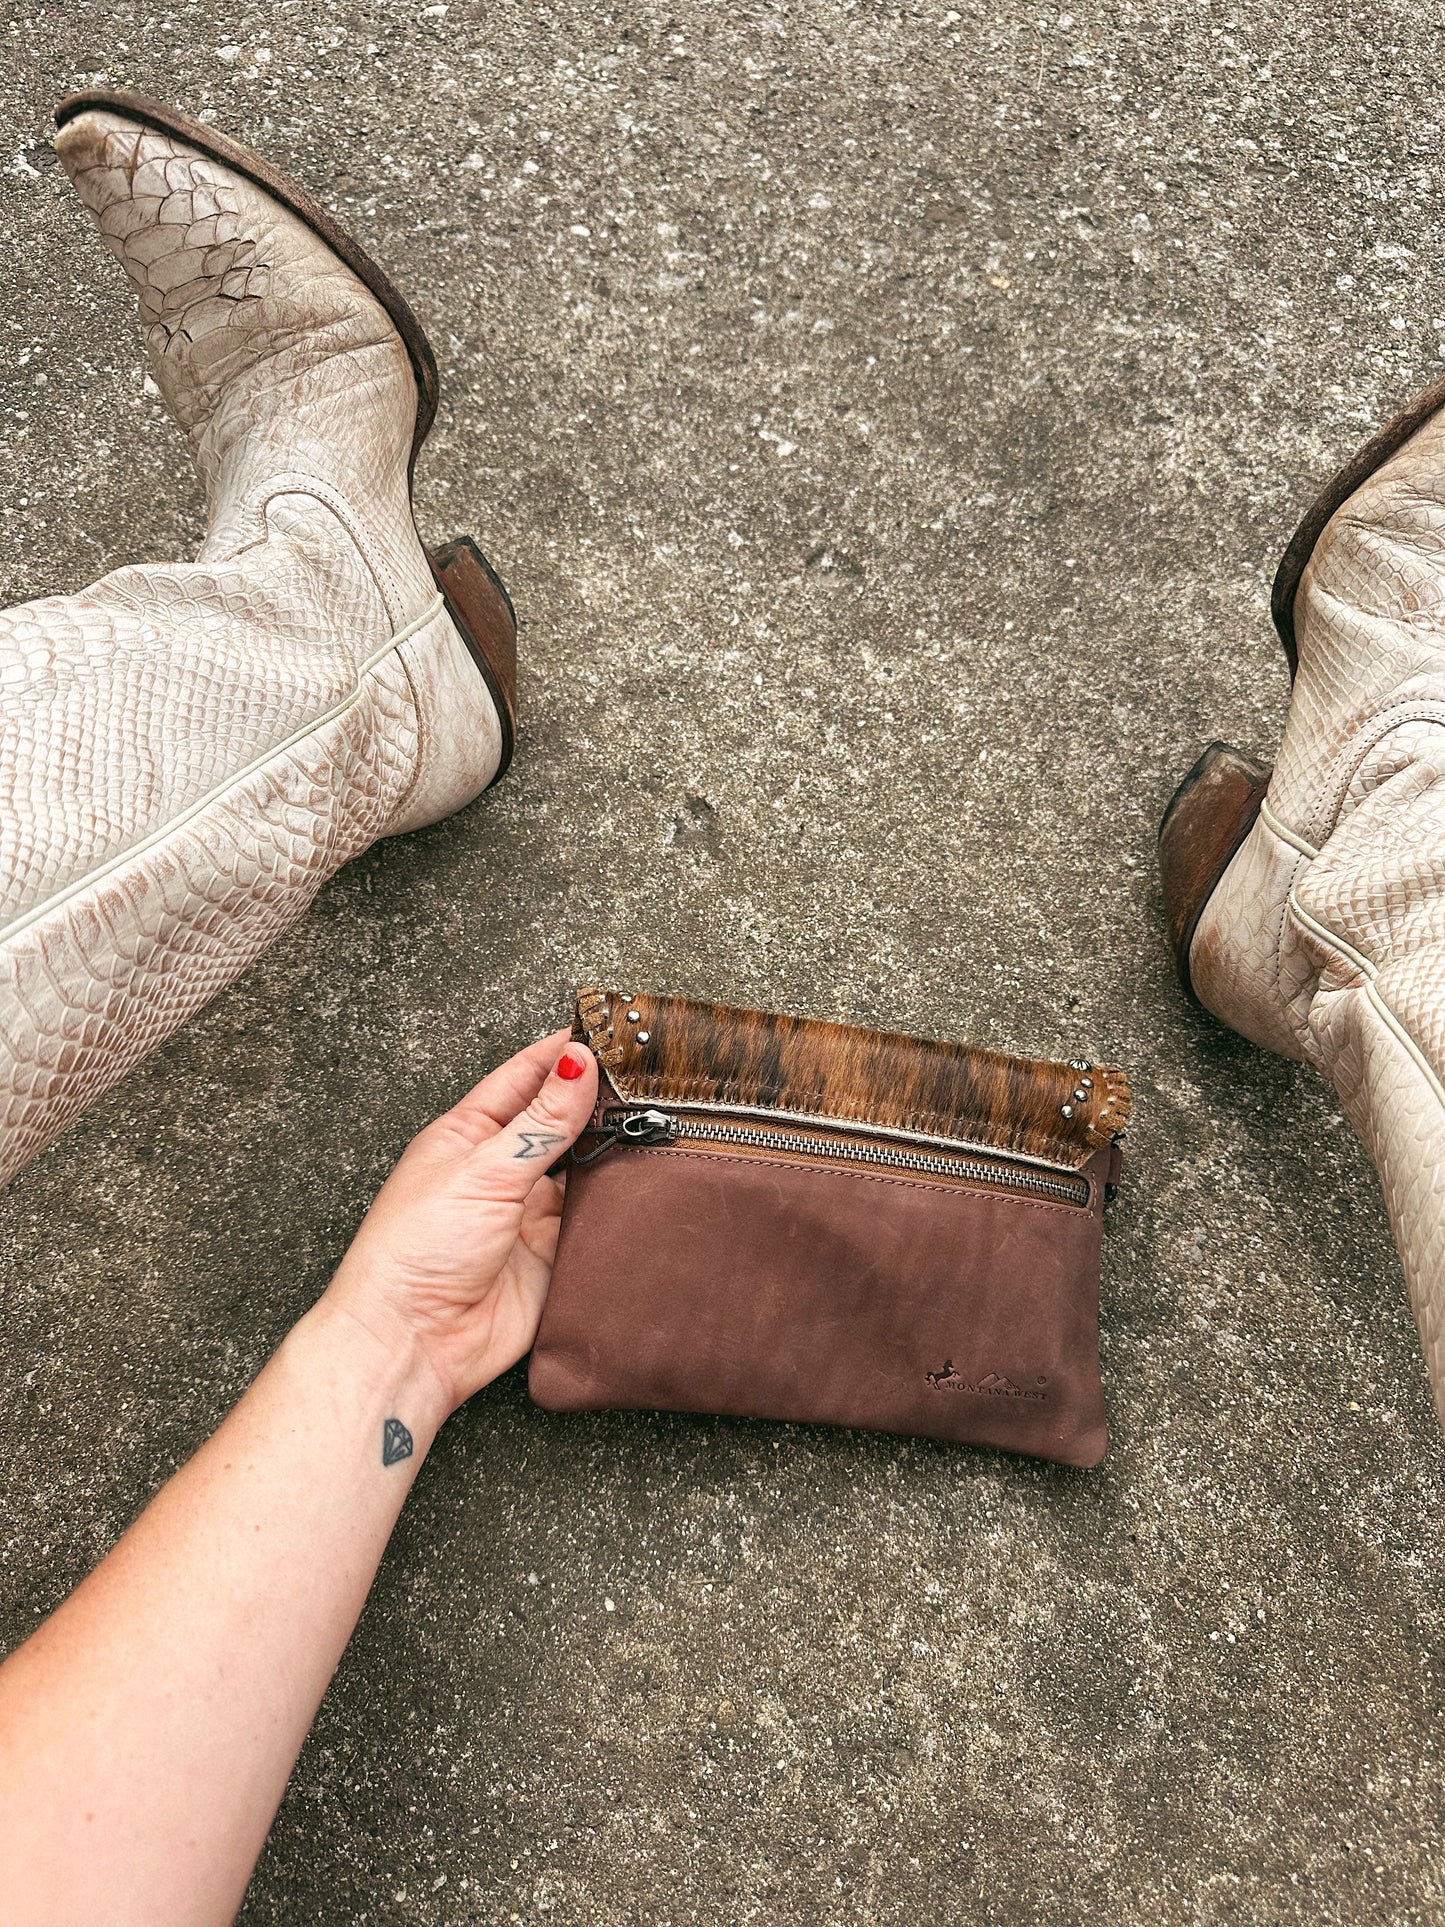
<point>509,1164</point>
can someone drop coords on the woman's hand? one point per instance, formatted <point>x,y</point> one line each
<point>147,1728</point>
<point>453,1259</point>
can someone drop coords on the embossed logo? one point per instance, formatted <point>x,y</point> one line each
<point>991,1385</point>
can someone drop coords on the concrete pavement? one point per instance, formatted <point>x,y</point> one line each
<point>887,419</point>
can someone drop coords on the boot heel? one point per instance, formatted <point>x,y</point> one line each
<point>1209,816</point>
<point>482,610</point>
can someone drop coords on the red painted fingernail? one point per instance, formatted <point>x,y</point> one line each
<point>570,1067</point>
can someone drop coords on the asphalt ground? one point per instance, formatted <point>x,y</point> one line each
<point>887,420</point>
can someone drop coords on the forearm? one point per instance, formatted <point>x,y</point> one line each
<point>148,1729</point>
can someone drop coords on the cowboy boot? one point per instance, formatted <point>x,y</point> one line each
<point>188,751</point>
<point>1307,905</point>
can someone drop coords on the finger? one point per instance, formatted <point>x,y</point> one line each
<point>509,1164</point>
<point>504,1091</point>
<point>540,1236</point>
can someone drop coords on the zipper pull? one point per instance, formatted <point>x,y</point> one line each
<point>627,1127</point>
<point>647,1127</point>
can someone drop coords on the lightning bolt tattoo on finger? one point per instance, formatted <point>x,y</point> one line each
<point>536,1144</point>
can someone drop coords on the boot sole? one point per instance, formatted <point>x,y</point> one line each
<point>1214,808</point>
<point>475,599</point>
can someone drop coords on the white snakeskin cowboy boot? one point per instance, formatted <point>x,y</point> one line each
<point>1311,918</point>
<point>188,751</point>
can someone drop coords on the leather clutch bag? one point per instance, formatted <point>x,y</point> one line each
<point>775,1218</point>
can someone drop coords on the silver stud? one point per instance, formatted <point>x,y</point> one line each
<point>643,1035</point>
<point>1087,1082</point>
<point>633,1015</point>
<point>1066,1110</point>
<point>1081,1097</point>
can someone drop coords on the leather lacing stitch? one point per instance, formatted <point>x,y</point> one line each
<point>594,1028</point>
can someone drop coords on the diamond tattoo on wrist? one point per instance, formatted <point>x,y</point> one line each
<point>396,1442</point>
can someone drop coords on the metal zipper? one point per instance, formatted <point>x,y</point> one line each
<point>654,1128</point>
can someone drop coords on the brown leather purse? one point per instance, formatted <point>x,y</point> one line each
<point>775,1218</point>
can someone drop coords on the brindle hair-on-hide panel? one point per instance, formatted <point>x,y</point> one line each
<point>681,1051</point>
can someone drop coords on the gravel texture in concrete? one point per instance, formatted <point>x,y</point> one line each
<point>887,419</point>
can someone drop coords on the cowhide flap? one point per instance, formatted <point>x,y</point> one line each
<point>673,1049</point>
